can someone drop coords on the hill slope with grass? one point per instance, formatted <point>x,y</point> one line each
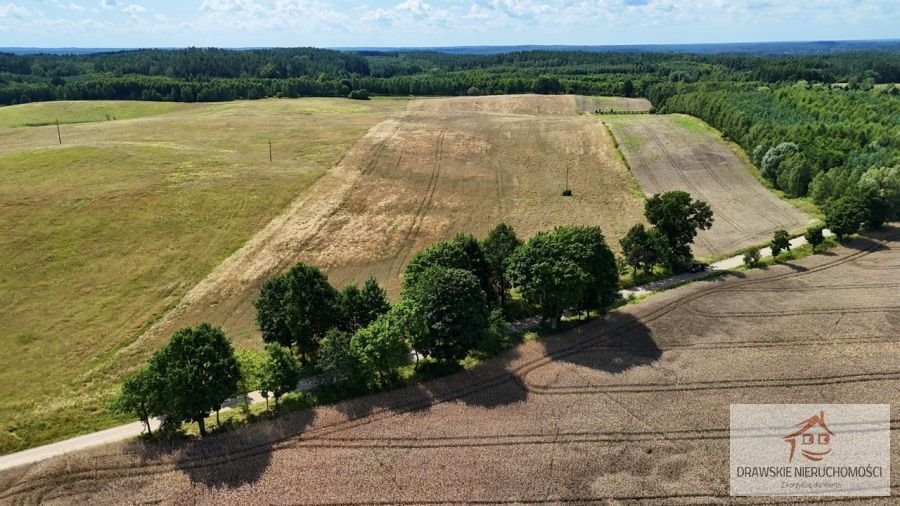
<point>106,232</point>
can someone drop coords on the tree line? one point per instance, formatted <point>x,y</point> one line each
<point>455,300</point>
<point>248,74</point>
<point>807,139</point>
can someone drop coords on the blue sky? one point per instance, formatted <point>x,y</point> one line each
<point>331,23</point>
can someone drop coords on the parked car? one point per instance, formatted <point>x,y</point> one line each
<point>698,268</point>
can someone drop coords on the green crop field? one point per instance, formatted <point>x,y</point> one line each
<point>103,234</point>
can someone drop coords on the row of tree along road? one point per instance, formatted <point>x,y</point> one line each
<point>455,300</point>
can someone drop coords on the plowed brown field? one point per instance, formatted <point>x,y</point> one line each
<point>632,407</point>
<point>675,152</point>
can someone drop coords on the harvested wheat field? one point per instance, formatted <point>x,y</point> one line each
<point>565,105</point>
<point>615,104</point>
<point>560,105</point>
<point>416,178</point>
<point>631,407</point>
<point>676,152</point>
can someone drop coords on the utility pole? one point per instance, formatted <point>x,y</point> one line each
<point>567,178</point>
<point>58,135</point>
<point>270,150</point>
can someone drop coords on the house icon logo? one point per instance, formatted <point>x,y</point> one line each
<point>813,437</point>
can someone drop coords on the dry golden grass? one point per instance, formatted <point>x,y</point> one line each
<point>615,104</point>
<point>106,233</point>
<point>564,105</point>
<point>631,408</point>
<point>417,178</point>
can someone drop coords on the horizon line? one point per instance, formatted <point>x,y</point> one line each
<point>460,46</point>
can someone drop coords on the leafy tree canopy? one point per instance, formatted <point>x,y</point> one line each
<point>197,372</point>
<point>454,309</point>
<point>678,218</point>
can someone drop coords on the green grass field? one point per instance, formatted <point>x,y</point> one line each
<point>47,113</point>
<point>100,236</point>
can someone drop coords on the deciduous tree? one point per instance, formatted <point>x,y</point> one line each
<point>846,215</point>
<point>499,245</point>
<point>381,347</point>
<point>678,217</point>
<point>643,248</point>
<point>141,396</point>
<point>587,247</point>
<point>462,252</point>
<point>281,371</point>
<point>781,241</point>
<point>360,307</point>
<point>546,275</point>
<point>454,310</point>
<point>814,236</point>
<point>198,372</point>
<point>297,308</point>
<point>751,258</point>
<point>335,361</point>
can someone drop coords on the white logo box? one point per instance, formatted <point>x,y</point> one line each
<point>810,449</point>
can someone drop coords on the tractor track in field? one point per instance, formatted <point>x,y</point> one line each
<point>357,429</point>
<point>685,180</point>
<point>746,213</point>
<point>320,436</point>
<point>412,233</point>
<point>689,386</point>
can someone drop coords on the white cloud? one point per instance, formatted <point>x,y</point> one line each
<point>11,10</point>
<point>410,13</point>
<point>525,7</point>
<point>134,9</point>
<point>443,22</point>
<point>70,6</point>
<point>234,6</point>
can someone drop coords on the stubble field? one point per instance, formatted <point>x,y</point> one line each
<point>633,407</point>
<point>565,105</point>
<point>421,176</point>
<point>676,152</point>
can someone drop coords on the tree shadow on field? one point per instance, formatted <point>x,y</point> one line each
<point>411,398</point>
<point>228,459</point>
<point>233,459</point>
<point>792,266</point>
<point>625,343</point>
<point>489,384</point>
<point>868,241</point>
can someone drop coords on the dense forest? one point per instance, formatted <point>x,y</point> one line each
<point>817,125</point>
<point>218,74</point>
